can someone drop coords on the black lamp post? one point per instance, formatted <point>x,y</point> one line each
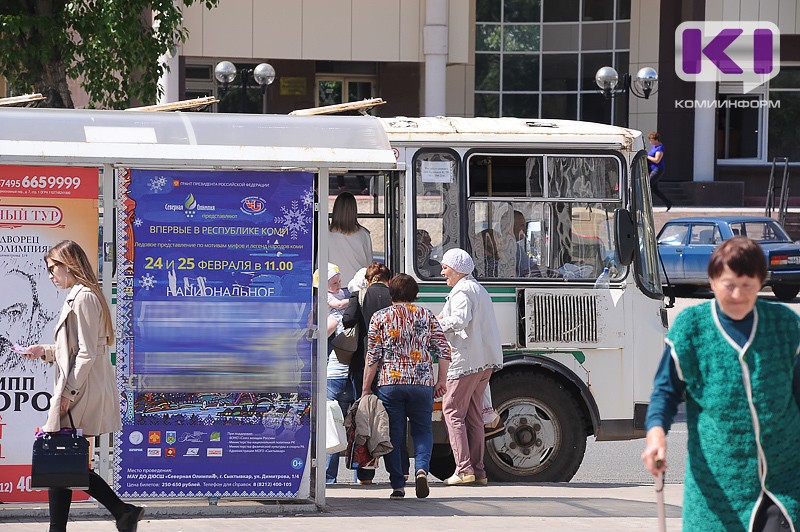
<point>645,84</point>
<point>263,74</point>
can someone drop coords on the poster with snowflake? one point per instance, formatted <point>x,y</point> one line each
<point>214,296</point>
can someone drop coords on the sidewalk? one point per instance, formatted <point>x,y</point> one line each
<point>547,507</point>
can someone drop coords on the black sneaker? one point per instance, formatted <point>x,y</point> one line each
<point>128,521</point>
<point>398,494</point>
<point>421,484</point>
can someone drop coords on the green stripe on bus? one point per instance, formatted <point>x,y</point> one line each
<point>579,356</point>
<point>441,299</point>
<point>423,288</point>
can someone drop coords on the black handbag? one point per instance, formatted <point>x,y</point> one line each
<point>60,460</point>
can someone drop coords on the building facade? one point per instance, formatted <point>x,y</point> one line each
<point>531,58</point>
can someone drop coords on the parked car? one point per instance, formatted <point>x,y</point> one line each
<point>685,245</point>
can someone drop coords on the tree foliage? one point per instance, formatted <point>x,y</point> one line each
<point>110,46</point>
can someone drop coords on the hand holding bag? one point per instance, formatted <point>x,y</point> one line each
<point>60,459</point>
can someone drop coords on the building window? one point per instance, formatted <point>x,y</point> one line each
<point>199,80</point>
<point>762,124</point>
<point>343,89</point>
<point>783,134</point>
<point>538,58</point>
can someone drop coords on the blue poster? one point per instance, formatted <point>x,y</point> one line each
<point>214,296</point>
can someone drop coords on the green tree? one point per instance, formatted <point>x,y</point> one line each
<point>109,45</point>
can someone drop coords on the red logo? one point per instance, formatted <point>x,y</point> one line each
<point>154,436</point>
<point>170,452</point>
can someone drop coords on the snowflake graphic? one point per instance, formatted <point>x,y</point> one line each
<point>157,183</point>
<point>147,281</point>
<point>294,219</point>
<point>138,222</point>
<point>308,199</point>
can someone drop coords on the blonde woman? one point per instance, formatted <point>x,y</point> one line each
<point>85,384</point>
<point>349,243</point>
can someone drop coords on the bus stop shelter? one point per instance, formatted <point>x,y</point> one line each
<point>168,149</point>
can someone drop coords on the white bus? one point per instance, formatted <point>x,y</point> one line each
<point>544,207</point>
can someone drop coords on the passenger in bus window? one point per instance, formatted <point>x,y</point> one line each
<point>526,265</point>
<point>490,253</point>
<point>426,266</point>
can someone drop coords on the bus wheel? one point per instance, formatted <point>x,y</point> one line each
<point>443,464</point>
<point>544,438</point>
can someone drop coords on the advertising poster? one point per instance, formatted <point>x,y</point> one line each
<point>39,207</point>
<point>214,298</point>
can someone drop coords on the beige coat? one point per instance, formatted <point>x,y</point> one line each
<point>84,373</point>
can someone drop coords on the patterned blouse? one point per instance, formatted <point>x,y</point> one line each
<point>404,338</point>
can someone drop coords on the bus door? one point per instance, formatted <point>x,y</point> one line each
<point>377,198</point>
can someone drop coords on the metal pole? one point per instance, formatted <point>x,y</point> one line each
<point>627,87</point>
<point>243,87</point>
<point>322,338</point>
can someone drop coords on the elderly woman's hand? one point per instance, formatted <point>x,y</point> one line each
<point>655,453</point>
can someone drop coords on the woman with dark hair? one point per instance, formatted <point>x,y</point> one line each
<point>359,312</point>
<point>403,339</point>
<point>734,360</point>
<point>349,243</point>
<point>85,383</point>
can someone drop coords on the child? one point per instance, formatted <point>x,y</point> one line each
<point>337,299</point>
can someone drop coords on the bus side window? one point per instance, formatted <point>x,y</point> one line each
<point>436,225</point>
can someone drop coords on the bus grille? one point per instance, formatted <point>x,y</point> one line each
<point>560,318</point>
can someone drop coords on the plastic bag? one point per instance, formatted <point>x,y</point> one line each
<point>335,436</point>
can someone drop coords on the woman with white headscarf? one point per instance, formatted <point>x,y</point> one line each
<point>470,326</point>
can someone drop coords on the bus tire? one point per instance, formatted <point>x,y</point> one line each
<point>544,438</point>
<point>443,464</point>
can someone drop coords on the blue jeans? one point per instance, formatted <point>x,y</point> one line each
<point>341,391</point>
<point>415,403</point>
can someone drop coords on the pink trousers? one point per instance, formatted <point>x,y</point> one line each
<point>462,407</point>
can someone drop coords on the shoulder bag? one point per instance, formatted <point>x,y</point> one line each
<point>345,344</point>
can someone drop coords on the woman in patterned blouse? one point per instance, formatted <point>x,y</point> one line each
<point>402,342</point>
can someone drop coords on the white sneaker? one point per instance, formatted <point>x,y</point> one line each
<point>460,479</point>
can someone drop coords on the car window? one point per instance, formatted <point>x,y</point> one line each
<point>673,235</point>
<point>702,234</point>
<point>761,231</point>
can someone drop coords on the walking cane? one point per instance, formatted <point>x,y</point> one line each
<point>662,518</point>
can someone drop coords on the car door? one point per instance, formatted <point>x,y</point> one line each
<point>671,243</point>
<point>703,238</point>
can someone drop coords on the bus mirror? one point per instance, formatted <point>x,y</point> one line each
<point>624,236</point>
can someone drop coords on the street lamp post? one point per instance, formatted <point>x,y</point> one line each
<point>645,84</point>
<point>263,74</point>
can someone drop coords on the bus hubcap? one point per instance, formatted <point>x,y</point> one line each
<point>530,436</point>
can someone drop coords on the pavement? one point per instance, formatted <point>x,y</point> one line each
<point>550,507</point>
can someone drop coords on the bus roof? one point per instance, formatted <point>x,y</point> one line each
<point>545,132</point>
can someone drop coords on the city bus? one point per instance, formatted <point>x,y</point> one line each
<point>558,218</point>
